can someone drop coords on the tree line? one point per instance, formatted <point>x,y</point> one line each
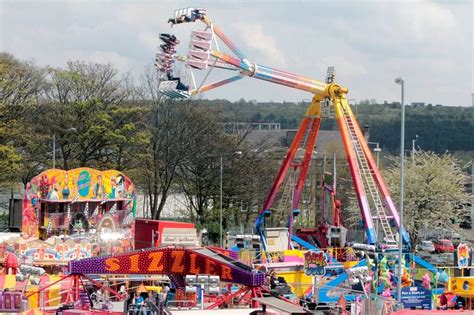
<point>439,128</point>
<point>100,119</point>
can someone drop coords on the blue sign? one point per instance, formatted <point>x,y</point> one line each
<point>84,183</point>
<point>416,297</point>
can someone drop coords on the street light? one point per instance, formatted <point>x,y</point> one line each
<point>401,82</point>
<point>54,143</point>
<point>377,151</point>
<point>472,195</point>
<point>413,144</point>
<point>221,190</point>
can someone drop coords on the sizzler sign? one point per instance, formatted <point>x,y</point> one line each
<point>170,260</point>
<point>162,262</point>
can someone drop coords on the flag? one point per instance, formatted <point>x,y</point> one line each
<point>96,211</point>
<point>49,228</point>
<point>86,211</point>
<point>128,219</point>
<point>68,215</point>
<point>104,199</point>
<point>113,210</point>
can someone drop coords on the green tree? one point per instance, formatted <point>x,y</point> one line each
<point>88,111</point>
<point>21,86</point>
<point>434,196</point>
<point>173,131</point>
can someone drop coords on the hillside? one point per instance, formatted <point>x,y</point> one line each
<point>439,128</point>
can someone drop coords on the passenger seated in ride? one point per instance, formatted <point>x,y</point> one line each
<point>181,86</point>
<point>139,304</point>
<point>190,17</point>
<point>169,39</point>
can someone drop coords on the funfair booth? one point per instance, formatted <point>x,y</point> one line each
<point>76,214</point>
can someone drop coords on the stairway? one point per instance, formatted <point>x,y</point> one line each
<point>84,298</point>
<point>369,184</point>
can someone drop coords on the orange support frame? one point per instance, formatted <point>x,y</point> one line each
<point>309,126</point>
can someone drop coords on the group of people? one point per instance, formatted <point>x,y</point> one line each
<point>164,60</point>
<point>190,15</point>
<point>153,303</point>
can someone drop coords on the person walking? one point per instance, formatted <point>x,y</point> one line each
<point>165,291</point>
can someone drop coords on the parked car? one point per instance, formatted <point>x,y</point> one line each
<point>444,259</point>
<point>444,246</point>
<point>426,246</point>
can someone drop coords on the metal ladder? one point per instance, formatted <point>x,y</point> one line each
<point>286,199</point>
<point>389,238</point>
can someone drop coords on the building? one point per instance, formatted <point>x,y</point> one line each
<point>282,138</point>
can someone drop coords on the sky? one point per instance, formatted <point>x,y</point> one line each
<point>429,43</point>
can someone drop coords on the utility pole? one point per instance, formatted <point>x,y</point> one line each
<point>413,146</point>
<point>402,160</point>
<point>220,214</point>
<point>472,195</point>
<point>377,153</point>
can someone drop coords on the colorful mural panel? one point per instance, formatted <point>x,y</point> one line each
<point>72,188</point>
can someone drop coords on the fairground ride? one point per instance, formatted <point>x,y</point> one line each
<point>379,214</point>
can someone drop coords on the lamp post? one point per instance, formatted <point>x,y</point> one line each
<point>400,81</point>
<point>220,213</point>
<point>413,141</point>
<point>413,144</point>
<point>472,195</point>
<point>54,143</point>
<point>377,151</point>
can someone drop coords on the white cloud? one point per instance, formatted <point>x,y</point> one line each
<point>139,14</point>
<point>369,42</point>
<point>111,57</point>
<point>148,39</point>
<point>253,36</point>
<point>428,21</point>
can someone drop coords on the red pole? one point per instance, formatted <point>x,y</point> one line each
<point>100,285</point>
<point>227,298</point>
<point>286,164</point>
<point>76,287</point>
<point>308,154</point>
